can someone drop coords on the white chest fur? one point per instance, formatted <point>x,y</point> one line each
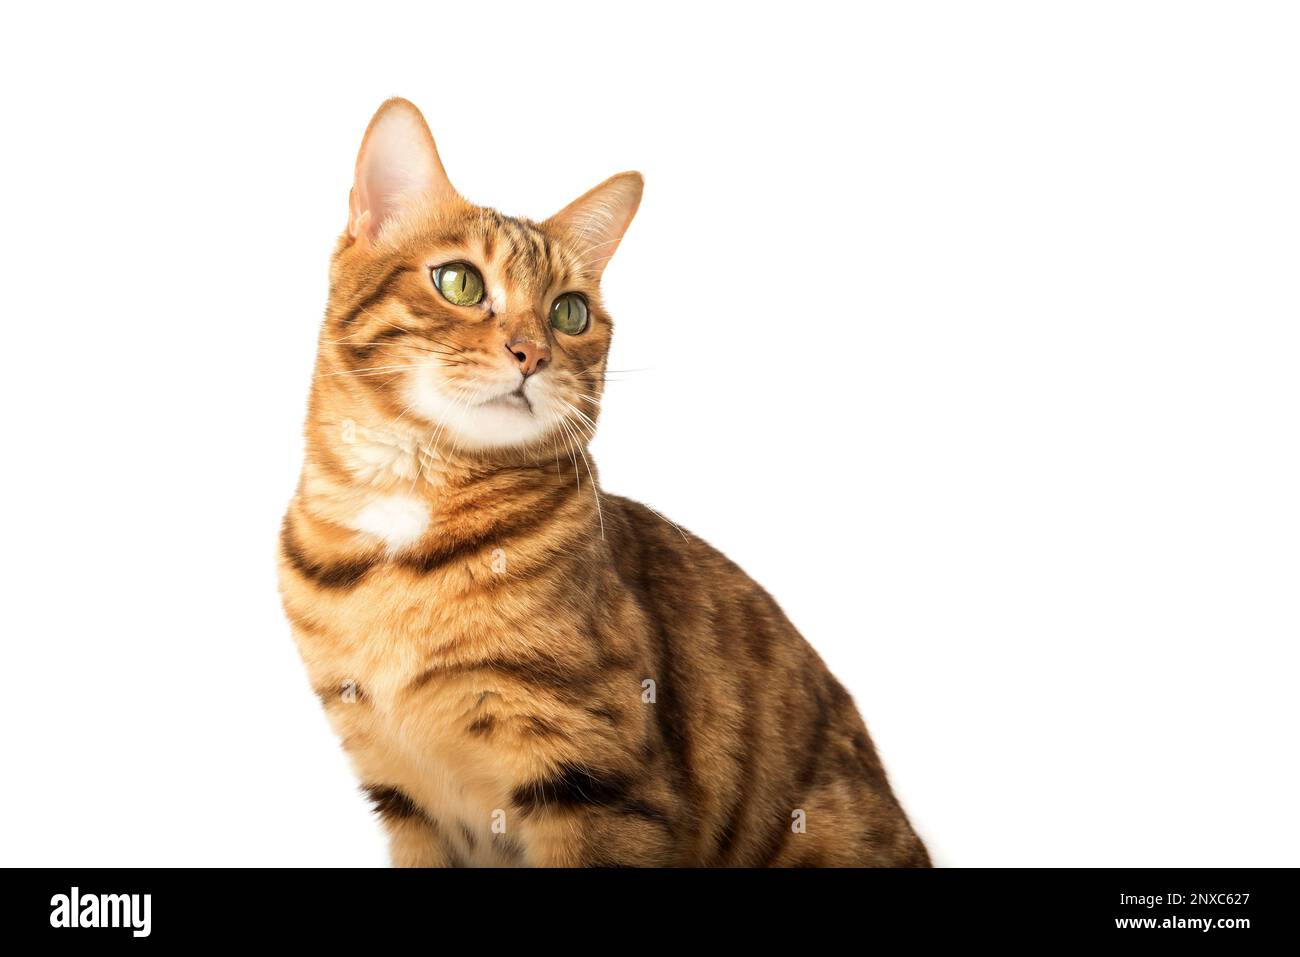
<point>397,520</point>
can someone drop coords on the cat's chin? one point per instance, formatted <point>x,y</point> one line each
<point>504,421</point>
<point>497,424</point>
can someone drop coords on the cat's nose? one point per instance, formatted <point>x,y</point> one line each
<point>529,354</point>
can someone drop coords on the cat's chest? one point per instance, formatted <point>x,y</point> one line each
<point>395,627</point>
<point>402,657</point>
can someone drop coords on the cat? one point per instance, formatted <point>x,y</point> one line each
<point>522,669</point>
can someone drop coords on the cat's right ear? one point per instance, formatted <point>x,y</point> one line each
<point>398,168</point>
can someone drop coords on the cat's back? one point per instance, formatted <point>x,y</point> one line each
<point>698,593</point>
<point>767,743</point>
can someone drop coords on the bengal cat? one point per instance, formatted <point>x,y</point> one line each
<point>520,672</point>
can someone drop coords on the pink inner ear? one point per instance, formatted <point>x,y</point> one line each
<point>384,188</point>
<point>398,163</point>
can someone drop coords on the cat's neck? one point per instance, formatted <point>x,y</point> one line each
<point>396,481</point>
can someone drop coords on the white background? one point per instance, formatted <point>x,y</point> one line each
<point>969,330</point>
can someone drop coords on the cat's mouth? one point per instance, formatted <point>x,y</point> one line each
<point>512,400</point>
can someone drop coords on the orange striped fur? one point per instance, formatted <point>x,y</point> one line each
<point>521,672</point>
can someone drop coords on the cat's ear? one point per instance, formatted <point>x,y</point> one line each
<point>397,167</point>
<point>596,220</point>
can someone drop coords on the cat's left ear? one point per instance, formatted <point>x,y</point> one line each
<point>397,168</point>
<point>596,220</point>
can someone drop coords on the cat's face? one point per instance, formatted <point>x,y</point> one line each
<point>485,329</point>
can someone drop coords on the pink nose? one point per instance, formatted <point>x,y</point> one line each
<point>529,354</point>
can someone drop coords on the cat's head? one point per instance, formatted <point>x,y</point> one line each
<point>485,329</point>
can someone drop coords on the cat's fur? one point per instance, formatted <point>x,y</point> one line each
<point>522,673</point>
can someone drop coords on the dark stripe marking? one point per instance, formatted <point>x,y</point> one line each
<point>541,728</point>
<point>381,292</point>
<point>392,804</point>
<point>470,840</point>
<point>808,770</point>
<point>334,692</point>
<point>575,786</point>
<point>365,350</point>
<point>459,549</point>
<point>339,575</point>
<point>482,725</point>
<point>726,841</point>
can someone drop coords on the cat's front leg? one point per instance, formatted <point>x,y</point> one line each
<point>595,839</point>
<point>414,839</point>
<point>415,844</point>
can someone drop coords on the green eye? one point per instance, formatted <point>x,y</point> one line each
<point>459,283</point>
<point>569,314</point>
